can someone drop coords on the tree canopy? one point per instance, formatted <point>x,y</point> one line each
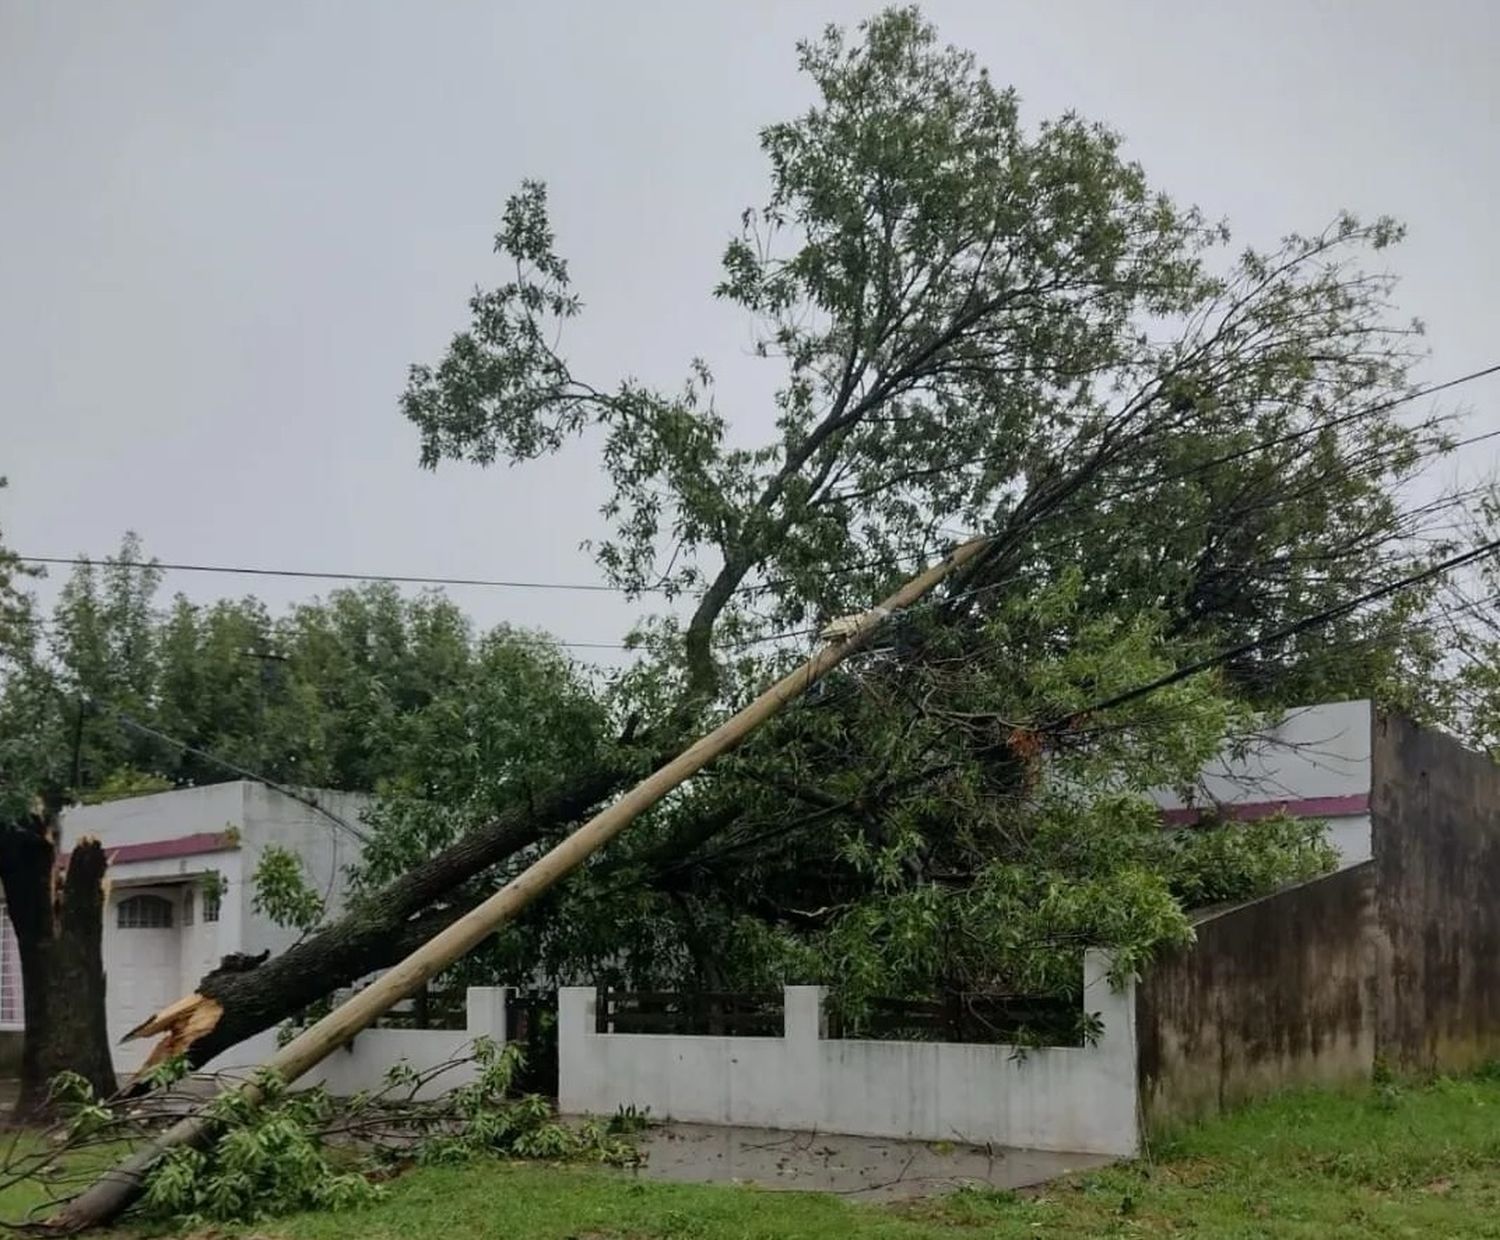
<point>119,692</point>
<point>983,327</point>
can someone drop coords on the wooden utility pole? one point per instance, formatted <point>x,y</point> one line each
<point>116,1188</point>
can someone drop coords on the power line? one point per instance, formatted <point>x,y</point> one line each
<point>1277,441</point>
<point>1312,621</point>
<point>1202,467</point>
<point>605,588</point>
<point>544,638</point>
<point>310,574</point>
<point>1318,427</point>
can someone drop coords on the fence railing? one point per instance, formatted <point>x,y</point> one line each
<point>1042,1020</point>
<point>702,1012</point>
<point>958,1017</point>
<point>444,1008</point>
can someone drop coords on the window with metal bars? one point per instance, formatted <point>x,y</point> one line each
<point>145,913</point>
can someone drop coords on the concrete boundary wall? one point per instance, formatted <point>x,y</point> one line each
<point>363,1062</point>
<point>1050,1098</point>
<point>1390,961</point>
<point>1437,862</point>
<point>1274,993</point>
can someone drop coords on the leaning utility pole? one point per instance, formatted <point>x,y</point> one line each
<point>118,1187</point>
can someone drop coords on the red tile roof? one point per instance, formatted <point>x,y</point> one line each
<point>163,850</point>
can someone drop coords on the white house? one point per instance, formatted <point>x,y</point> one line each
<point>181,890</point>
<point>1315,762</point>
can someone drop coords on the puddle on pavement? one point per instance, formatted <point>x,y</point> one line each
<point>860,1168</point>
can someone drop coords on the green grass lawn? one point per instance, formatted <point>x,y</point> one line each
<point>1421,1161</point>
<point>1386,1162</point>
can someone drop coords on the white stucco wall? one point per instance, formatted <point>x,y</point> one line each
<point>1312,753</point>
<point>326,851</point>
<point>362,1064</point>
<point>260,817</point>
<point>1352,838</point>
<point>1081,1099</point>
<point>160,816</point>
<point>145,968</point>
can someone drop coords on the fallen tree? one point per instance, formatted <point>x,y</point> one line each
<point>382,928</point>
<point>116,1188</point>
<point>1003,330</point>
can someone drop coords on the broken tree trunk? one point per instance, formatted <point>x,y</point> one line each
<point>114,1190</point>
<point>58,917</point>
<point>378,931</point>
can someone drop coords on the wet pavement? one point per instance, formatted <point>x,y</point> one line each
<point>859,1168</point>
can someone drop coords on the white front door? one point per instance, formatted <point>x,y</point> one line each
<point>142,963</point>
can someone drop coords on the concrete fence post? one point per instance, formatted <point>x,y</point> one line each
<point>485,1012</point>
<point>801,1086</point>
<point>803,1013</point>
<point>1116,1008</point>
<point>576,1070</point>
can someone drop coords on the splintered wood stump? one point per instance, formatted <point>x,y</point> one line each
<point>58,916</point>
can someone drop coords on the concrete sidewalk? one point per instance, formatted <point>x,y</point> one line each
<point>860,1168</point>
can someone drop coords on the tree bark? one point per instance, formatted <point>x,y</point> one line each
<point>379,930</point>
<point>59,921</point>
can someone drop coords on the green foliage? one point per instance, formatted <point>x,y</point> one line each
<point>1467,634</point>
<point>271,1155</point>
<point>1343,1166</point>
<point>520,716</point>
<point>118,785</point>
<point>630,1119</point>
<point>887,849</point>
<point>988,328</point>
<point>267,1160</point>
<point>999,329</point>
<point>363,690</point>
<point>282,891</point>
<point>75,1100</point>
<point>482,1119</point>
<point>166,1073</point>
<point>1230,863</point>
<point>979,325</point>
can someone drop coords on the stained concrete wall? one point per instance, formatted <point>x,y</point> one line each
<point>1274,993</point>
<point>1053,1098</point>
<point>1436,811</point>
<point>1394,961</point>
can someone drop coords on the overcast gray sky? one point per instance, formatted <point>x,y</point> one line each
<point>226,230</point>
